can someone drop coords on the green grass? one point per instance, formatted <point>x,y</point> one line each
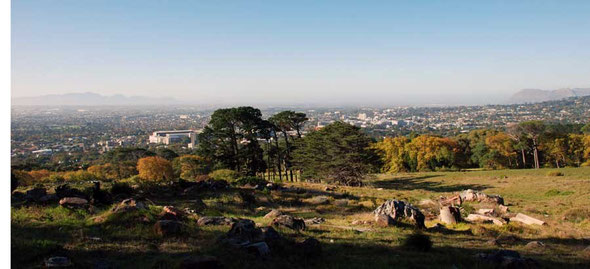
<point>127,240</point>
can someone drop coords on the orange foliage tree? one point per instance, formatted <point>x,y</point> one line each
<point>155,169</point>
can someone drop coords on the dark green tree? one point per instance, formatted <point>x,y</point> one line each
<point>339,152</point>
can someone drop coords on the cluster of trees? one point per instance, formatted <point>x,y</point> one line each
<point>529,144</point>
<point>239,139</point>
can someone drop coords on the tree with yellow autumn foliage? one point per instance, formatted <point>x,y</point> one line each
<point>155,169</point>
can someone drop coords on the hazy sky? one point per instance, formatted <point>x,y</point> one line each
<point>300,51</point>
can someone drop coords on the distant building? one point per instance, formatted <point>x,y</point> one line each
<point>176,136</point>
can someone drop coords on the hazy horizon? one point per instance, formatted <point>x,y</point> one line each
<point>448,53</point>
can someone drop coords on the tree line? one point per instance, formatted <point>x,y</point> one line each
<point>239,142</point>
<point>531,144</point>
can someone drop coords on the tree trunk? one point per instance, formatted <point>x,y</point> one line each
<point>536,156</point>
<point>288,155</point>
<point>523,158</point>
<point>278,156</point>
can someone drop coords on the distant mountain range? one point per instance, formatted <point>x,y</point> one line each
<point>90,99</point>
<point>536,95</point>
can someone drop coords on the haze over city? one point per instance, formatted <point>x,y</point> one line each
<point>334,52</point>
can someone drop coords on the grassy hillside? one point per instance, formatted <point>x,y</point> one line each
<point>100,237</point>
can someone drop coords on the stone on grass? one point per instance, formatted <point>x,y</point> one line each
<point>49,198</point>
<point>73,202</point>
<point>318,200</point>
<point>485,211</point>
<point>167,227</point>
<point>215,221</point>
<point>450,214</point>
<point>485,219</point>
<point>128,205</point>
<point>535,245</point>
<point>200,262</point>
<point>258,248</point>
<point>58,261</point>
<point>383,220</point>
<point>396,210</point>
<point>341,202</point>
<point>450,201</point>
<point>315,221</point>
<point>477,196</point>
<point>244,231</point>
<point>273,214</point>
<point>526,219</point>
<point>289,222</point>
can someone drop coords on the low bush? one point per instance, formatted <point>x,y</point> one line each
<point>121,188</point>
<point>224,174</point>
<point>418,242</point>
<point>555,174</point>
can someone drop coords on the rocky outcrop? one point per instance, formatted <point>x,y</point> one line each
<point>273,214</point>
<point>73,202</point>
<point>526,219</point>
<point>397,210</point>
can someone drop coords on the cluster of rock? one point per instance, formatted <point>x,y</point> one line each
<point>66,196</point>
<point>497,214</point>
<point>391,211</point>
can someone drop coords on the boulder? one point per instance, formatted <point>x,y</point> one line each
<point>200,262</point>
<point>270,234</point>
<point>485,211</point>
<point>58,261</point>
<point>289,222</point>
<point>202,221</point>
<point>258,248</point>
<point>526,219</point>
<point>450,214</point>
<point>167,227</point>
<point>503,209</point>
<point>49,198</point>
<point>383,220</point>
<point>172,211</point>
<point>477,196</point>
<point>35,194</point>
<point>396,210</point>
<point>244,231</point>
<point>273,214</point>
<point>535,245</point>
<point>485,219</point>
<point>128,205</point>
<point>73,202</point>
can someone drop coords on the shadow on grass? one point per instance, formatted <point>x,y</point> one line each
<point>413,183</point>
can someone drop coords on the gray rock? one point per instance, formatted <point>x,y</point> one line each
<point>535,245</point>
<point>315,221</point>
<point>450,214</point>
<point>49,198</point>
<point>273,214</point>
<point>399,209</point>
<point>477,196</point>
<point>58,261</point>
<point>383,220</point>
<point>244,231</point>
<point>128,205</point>
<point>259,248</point>
<point>289,222</point>
<point>73,202</point>
<point>215,221</point>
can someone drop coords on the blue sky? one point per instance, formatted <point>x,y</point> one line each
<point>283,52</point>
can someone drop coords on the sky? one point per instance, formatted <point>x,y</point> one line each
<point>300,52</point>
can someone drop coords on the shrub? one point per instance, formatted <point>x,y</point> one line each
<point>417,241</point>
<point>155,169</point>
<point>555,174</point>
<point>224,174</point>
<point>121,188</point>
<point>253,181</point>
<point>79,175</point>
<point>554,192</point>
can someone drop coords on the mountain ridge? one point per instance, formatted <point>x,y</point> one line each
<point>538,95</point>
